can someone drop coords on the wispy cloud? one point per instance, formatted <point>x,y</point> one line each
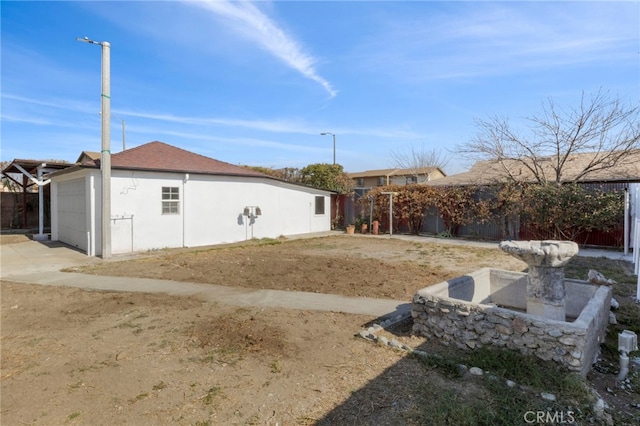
<point>52,103</point>
<point>276,126</point>
<point>287,126</point>
<point>25,119</point>
<point>469,40</point>
<point>253,142</point>
<point>264,125</point>
<point>256,26</point>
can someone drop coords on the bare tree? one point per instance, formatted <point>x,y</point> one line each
<point>9,182</point>
<point>602,126</point>
<point>419,162</point>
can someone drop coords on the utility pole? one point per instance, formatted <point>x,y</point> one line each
<point>105,152</point>
<point>334,144</point>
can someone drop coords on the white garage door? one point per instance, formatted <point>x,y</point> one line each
<point>72,211</point>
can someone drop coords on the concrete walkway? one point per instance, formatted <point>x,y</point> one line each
<point>35,262</point>
<point>40,263</point>
<point>585,252</point>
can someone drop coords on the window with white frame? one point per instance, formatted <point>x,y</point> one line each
<point>319,205</point>
<point>170,200</point>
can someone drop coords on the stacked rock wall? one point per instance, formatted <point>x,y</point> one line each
<point>468,325</point>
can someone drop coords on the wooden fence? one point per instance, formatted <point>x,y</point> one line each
<point>13,214</point>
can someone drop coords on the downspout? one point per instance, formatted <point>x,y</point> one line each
<point>184,208</point>
<point>90,212</point>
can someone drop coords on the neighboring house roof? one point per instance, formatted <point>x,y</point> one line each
<point>88,158</point>
<point>491,171</point>
<point>159,156</point>
<point>395,172</point>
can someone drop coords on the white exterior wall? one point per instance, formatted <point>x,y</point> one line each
<point>211,210</point>
<point>136,210</point>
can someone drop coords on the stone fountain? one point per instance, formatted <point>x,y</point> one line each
<point>545,281</point>
<point>540,313</point>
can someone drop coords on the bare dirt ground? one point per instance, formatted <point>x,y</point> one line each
<point>71,356</point>
<point>349,266</point>
<point>13,238</point>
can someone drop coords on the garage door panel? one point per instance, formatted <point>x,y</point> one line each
<point>72,211</point>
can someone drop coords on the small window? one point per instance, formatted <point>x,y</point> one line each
<point>170,200</point>
<point>381,181</point>
<point>360,182</point>
<point>319,205</point>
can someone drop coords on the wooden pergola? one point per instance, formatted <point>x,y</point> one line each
<point>25,174</point>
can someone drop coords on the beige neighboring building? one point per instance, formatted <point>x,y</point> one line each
<point>373,178</point>
<point>624,176</point>
<point>489,172</point>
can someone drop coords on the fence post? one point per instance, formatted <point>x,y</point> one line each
<point>636,256</point>
<point>626,221</point>
<point>636,247</point>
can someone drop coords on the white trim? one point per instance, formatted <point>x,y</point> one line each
<point>91,216</point>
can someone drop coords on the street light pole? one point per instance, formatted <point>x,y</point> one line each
<point>124,133</point>
<point>334,144</point>
<point>124,137</point>
<point>105,152</point>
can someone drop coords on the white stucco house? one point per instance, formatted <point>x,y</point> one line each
<point>165,197</point>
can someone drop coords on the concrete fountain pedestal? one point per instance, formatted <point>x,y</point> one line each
<point>545,281</point>
<point>537,313</point>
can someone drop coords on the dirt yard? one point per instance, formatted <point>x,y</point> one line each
<point>71,356</point>
<point>349,266</point>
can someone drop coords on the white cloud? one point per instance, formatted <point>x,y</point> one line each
<point>489,39</point>
<point>53,103</point>
<point>25,119</point>
<point>264,125</point>
<point>254,25</point>
<point>278,126</point>
<point>48,109</point>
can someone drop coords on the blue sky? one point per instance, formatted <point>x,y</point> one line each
<point>256,83</point>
